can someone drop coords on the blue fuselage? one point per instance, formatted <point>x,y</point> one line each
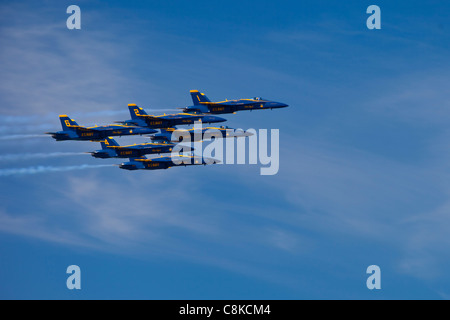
<point>234,106</point>
<point>135,151</point>
<point>99,133</point>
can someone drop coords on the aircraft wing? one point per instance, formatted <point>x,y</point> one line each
<point>180,116</point>
<point>231,103</point>
<point>134,147</point>
<point>108,128</point>
<point>159,137</point>
<point>134,122</point>
<point>161,159</point>
<point>240,102</point>
<point>150,117</point>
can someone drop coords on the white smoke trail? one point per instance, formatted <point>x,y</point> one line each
<point>35,123</point>
<point>43,169</point>
<point>109,113</point>
<point>23,136</point>
<point>27,156</point>
<point>10,129</point>
<point>22,120</point>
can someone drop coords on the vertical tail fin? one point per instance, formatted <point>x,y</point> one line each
<point>198,97</point>
<point>108,142</point>
<point>136,111</point>
<point>67,123</point>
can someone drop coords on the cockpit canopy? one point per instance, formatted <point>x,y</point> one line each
<point>258,98</point>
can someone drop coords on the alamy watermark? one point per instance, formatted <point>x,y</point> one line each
<point>229,146</point>
<point>74,20</point>
<point>374,20</point>
<point>74,280</point>
<point>374,280</point>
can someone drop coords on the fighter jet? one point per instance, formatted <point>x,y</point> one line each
<point>72,131</point>
<point>140,118</point>
<point>165,162</point>
<point>175,135</point>
<point>203,105</point>
<point>111,149</point>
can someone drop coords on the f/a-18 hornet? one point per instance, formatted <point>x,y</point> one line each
<point>72,131</point>
<point>111,149</point>
<point>175,135</point>
<point>140,118</point>
<point>165,162</point>
<point>203,105</point>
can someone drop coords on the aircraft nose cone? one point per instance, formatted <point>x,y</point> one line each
<point>211,119</point>
<point>210,161</point>
<point>127,166</point>
<point>219,119</point>
<point>280,105</point>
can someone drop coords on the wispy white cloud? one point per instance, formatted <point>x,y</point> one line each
<point>33,226</point>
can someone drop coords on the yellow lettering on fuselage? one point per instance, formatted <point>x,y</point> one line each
<point>127,152</point>
<point>153,164</point>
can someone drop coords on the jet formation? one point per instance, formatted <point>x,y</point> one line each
<point>163,132</point>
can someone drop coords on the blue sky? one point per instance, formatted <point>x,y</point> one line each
<point>363,151</point>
